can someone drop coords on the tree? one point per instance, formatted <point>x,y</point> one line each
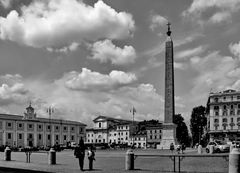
<point>182,134</point>
<point>197,124</point>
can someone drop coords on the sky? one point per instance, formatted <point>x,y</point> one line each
<point>87,58</point>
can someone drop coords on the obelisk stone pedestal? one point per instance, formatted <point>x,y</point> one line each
<point>169,128</point>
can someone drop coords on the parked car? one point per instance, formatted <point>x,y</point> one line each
<point>218,146</point>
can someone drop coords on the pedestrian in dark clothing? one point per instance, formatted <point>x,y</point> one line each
<point>91,157</point>
<point>171,147</point>
<point>79,153</point>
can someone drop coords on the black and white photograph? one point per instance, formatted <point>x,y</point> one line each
<point>120,86</point>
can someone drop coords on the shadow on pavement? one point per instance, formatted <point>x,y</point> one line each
<point>13,170</point>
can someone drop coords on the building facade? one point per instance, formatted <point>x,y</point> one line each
<point>224,115</point>
<point>154,135</point>
<point>139,139</point>
<point>107,130</point>
<point>30,130</point>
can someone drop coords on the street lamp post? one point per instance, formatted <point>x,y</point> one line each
<point>50,111</point>
<point>133,110</point>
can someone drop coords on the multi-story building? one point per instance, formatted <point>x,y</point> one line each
<point>224,115</point>
<point>107,130</point>
<point>30,130</point>
<point>154,135</point>
<point>139,139</point>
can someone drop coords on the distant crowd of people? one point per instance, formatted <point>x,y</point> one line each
<point>179,148</point>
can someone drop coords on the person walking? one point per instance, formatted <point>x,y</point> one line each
<point>171,147</point>
<point>91,157</point>
<point>79,153</point>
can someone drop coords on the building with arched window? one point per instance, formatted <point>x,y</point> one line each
<point>30,130</point>
<point>224,115</point>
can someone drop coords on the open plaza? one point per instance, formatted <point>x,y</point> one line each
<point>113,161</point>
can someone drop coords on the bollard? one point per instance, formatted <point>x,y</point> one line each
<point>199,149</point>
<point>129,162</point>
<point>211,149</point>
<point>234,161</point>
<point>7,154</point>
<point>52,157</point>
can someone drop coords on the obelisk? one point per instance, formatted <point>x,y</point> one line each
<point>169,128</point>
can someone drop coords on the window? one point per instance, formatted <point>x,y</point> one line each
<point>65,128</point>
<point>232,120</point>
<point>88,135</point>
<point>20,136</point>
<point>126,133</point>
<point>224,127</point>
<point>224,98</point>
<point>126,127</point>
<point>99,125</point>
<point>56,128</point>
<point>155,137</point>
<point>225,120</point>
<point>231,106</point>
<point>39,126</point>
<point>9,136</point>
<point>224,107</point>
<point>20,125</point>
<point>216,113</point>
<point>9,125</point>
<point>56,137</point>
<point>216,127</point>
<point>150,136</point>
<point>49,137</point>
<point>216,107</point>
<point>216,99</point>
<point>80,129</point>
<point>238,97</point>
<point>65,137</point>
<point>72,129</point>
<point>72,138</point>
<point>216,120</point>
<point>39,136</point>
<point>48,127</point>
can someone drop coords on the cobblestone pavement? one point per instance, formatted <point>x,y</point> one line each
<point>110,162</point>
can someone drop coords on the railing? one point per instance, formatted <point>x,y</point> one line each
<point>180,157</point>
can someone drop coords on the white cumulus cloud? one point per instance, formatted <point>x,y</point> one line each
<point>59,23</point>
<point>212,11</point>
<point>106,51</point>
<point>90,80</point>
<point>235,49</point>
<point>156,21</point>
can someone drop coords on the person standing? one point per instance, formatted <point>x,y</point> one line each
<point>91,157</point>
<point>79,153</point>
<point>171,147</point>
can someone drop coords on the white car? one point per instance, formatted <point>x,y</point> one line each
<point>218,146</point>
